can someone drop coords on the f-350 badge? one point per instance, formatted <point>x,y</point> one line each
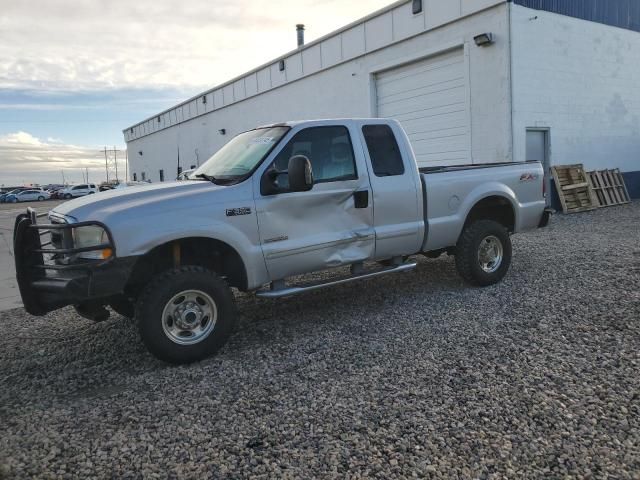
<point>236,212</point>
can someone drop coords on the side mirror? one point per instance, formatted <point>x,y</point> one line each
<point>300,174</point>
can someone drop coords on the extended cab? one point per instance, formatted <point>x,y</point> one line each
<point>273,203</point>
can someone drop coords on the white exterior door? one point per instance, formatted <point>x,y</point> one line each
<point>430,99</point>
<point>538,151</point>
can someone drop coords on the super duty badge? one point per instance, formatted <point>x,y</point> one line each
<point>235,212</point>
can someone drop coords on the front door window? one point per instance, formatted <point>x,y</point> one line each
<point>328,148</point>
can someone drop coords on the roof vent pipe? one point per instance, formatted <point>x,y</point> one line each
<point>300,32</point>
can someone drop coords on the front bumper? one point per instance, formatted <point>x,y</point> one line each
<point>46,285</point>
<point>546,218</point>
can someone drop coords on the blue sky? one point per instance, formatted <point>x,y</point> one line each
<point>75,73</point>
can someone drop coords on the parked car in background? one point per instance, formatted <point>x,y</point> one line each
<point>32,195</point>
<point>4,195</point>
<point>53,187</point>
<point>54,192</point>
<point>77,191</point>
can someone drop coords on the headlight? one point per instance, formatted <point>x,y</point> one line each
<point>91,236</point>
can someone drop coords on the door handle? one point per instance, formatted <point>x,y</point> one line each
<point>361,198</point>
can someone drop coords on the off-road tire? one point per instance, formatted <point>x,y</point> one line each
<point>467,262</point>
<point>159,292</point>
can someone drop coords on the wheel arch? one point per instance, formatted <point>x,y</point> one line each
<point>207,252</point>
<point>495,206</point>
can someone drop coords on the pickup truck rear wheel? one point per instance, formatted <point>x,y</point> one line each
<point>186,314</point>
<point>483,253</point>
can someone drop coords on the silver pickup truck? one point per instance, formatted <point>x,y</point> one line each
<point>275,202</point>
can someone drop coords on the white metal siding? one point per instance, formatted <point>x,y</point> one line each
<point>345,89</point>
<point>429,98</point>
<point>580,80</point>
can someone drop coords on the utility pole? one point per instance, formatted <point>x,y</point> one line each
<point>64,182</point>
<point>179,170</point>
<point>87,170</point>
<point>106,163</point>
<point>115,156</point>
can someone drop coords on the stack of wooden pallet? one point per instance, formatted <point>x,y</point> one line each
<point>580,191</point>
<point>609,187</point>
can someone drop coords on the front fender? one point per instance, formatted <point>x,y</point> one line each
<point>240,234</point>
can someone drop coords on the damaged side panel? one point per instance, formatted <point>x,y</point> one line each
<point>310,231</point>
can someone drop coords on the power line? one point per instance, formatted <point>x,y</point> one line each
<point>109,162</point>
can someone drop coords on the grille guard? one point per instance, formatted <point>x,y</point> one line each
<point>33,258</point>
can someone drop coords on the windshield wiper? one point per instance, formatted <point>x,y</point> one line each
<point>210,178</point>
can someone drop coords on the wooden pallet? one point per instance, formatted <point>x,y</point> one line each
<point>574,188</point>
<point>609,187</point>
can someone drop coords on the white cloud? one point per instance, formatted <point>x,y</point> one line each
<point>52,50</point>
<point>26,159</point>
<point>73,45</point>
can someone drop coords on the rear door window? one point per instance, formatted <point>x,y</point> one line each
<point>384,152</point>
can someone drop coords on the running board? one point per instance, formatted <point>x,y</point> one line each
<point>288,291</point>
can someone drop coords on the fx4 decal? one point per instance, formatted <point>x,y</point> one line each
<point>528,177</point>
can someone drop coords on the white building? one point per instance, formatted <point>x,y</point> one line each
<point>472,81</point>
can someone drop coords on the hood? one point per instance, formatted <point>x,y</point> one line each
<point>174,195</point>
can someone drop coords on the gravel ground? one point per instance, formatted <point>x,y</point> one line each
<point>415,375</point>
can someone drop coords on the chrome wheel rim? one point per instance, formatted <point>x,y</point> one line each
<point>490,254</point>
<point>189,317</point>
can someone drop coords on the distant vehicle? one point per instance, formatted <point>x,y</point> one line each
<point>5,195</point>
<point>185,175</point>
<point>28,196</point>
<point>77,191</point>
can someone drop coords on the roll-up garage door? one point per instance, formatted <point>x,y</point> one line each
<point>429,98</point>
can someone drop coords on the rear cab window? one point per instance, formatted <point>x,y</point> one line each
<point>384,152</point>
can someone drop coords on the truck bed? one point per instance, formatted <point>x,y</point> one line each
<point>476,166</point>
<point>450,196</point>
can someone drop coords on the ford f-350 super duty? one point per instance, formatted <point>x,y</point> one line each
<point>273,203</point>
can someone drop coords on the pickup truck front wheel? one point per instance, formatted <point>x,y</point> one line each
<point>483,253</point>
<point>186,314</point>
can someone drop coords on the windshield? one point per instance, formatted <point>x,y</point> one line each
<point>238,158</point>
